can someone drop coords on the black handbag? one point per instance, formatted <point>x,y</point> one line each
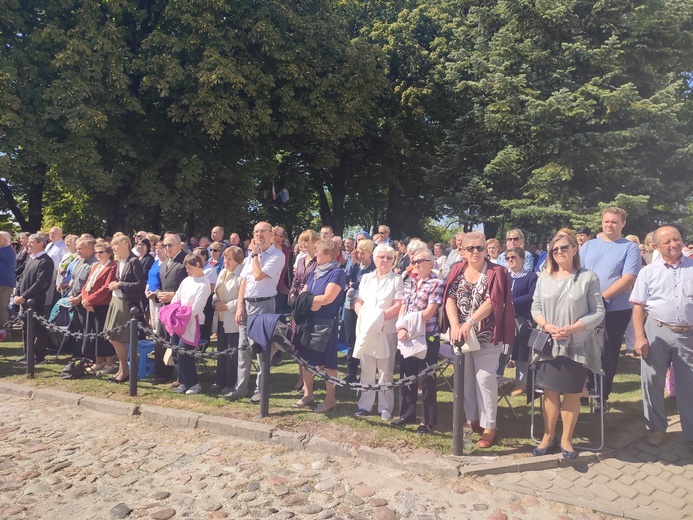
<point>523,328</point>
<point>541,342</point>
<point>315,333</point>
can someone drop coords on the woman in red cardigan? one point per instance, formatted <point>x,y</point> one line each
<point>477,295</point>
<point>96,297</point>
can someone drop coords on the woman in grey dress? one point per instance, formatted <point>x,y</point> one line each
<point>568,305</point>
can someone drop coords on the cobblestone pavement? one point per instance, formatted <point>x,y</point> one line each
<point>65,462</point>
<point>642,481</point>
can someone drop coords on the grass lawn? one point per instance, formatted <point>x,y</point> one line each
<point>339,424</point>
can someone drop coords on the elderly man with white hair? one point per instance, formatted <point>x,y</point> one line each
<point>8,261</point>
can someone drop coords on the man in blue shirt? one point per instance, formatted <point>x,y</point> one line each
<point>8,261</point>
<point>617,263</point>
<point>663,323</point>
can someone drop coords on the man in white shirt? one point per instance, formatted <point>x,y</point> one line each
<point>260,275</point>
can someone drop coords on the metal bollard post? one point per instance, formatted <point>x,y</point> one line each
<point>458,418</point>
<point>265,364</point>
<point>30,338</point>
<point>134,336</point>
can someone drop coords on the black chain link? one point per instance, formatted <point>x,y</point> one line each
<point>199,354</point>
<point>405,381</point>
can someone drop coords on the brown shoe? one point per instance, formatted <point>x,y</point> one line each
<point>655,438</point>
<point>175,384</point>
<point>518,390</point>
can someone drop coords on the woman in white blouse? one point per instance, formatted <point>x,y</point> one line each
<point>377,304</point>
<point>225,301</point>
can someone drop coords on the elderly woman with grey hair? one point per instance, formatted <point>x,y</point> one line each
<point>377,305</point>
<point>478,296</point>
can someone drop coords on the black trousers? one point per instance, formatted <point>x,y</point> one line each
<point>40,333</point>
<point>187,369</point>
<point>615,326</point>
<point>429,389</point>
<point>227,367</point>
<point>94,322</point>
<point>350,318</point>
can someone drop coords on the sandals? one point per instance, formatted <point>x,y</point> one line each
<point>323,408</point>
<point>487,443</point>
<point>302,403</point>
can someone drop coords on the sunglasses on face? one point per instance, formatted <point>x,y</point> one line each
<point>471,249</point>
<point>214,250</point>
<point>561,249</point>
<point>513,239</point>
<point>511,257</point>
<point>419,262</point>
<point>167,246</point>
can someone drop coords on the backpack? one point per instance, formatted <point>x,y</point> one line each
<point>76,368</point>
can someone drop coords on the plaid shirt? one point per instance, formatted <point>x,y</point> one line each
<point>430,292</point>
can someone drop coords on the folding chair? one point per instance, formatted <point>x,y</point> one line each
<point>446,353</point>
<point>594,396</point>
<point>503,383</point>
<point>202,347</point>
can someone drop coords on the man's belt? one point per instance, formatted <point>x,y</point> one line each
<point>256,300</point>
<point>674,328</point>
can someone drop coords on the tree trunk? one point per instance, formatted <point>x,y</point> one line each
<point>35,199</point>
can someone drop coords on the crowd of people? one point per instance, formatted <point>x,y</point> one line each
<point>564,310</point>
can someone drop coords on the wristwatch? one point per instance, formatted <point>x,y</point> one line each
<point>470,320</point>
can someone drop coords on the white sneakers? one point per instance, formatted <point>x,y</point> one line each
<point>195,389</point>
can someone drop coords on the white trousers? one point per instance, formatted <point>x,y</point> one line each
<point>370,366</point>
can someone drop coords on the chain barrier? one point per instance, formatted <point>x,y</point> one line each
<point>199,354</point>
<point>405,381</point>
<point>51,327</point>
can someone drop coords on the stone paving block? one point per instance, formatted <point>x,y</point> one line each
<point>235,428</point>
<point>604,507</point>
<point>583,482</point>
<point>614,463</point>
<point>607,470</point>
<point>570,475</point>
<point>631,458</point>
<point>629,470</point>
<point>640,475</point>
<point>99,404</point>
<point>169,416</point>
<point>680,493</point>
<point>677,469</point>
<point>643,500</point>
<point>648,448</point>
<point>668,499</point>
<point>562,483</point>
<point>652,469</point>
<point>665,475</point>
<point>643,488</point>
<point>538,481</point>
<point>622,490</point>
<point>661,484</point>
<point>669,456</point>
<point>682,482</point>
<point>604,492</point>
<point>600,479</point>
<point>648,457</point>
<point>626,479</point>
<point>16,390</point>
<point>57,396</point>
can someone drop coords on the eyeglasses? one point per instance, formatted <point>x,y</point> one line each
<point>214,250</point>
<point>258,231</point>
<point>513,257</point>
<point>167,246</point>
<point>99,252</point>
<point>471,249</point>
<point>386,257</point>
<point>513,239</point>
<point>419,262</point>
<point>562,249</point>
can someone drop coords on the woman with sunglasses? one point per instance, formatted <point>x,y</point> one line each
<point>516,238</point>
<point>522,285</point>
<point>477,295</point>
<point>217,260</point>
<point>423,293</point>
<point>568,305</point>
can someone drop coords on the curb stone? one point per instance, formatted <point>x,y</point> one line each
<point>235,428</point>
<point>16,390</point>
<point>327,447</point>
<point>293,440</point>
<point>57,396</point>
<point>110,406</point>
<point>169,416</point>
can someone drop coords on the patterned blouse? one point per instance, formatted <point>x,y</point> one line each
<point>430,292</point>
<point>465,293</point>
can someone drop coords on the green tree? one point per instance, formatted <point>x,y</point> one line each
<point>571,103</point>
